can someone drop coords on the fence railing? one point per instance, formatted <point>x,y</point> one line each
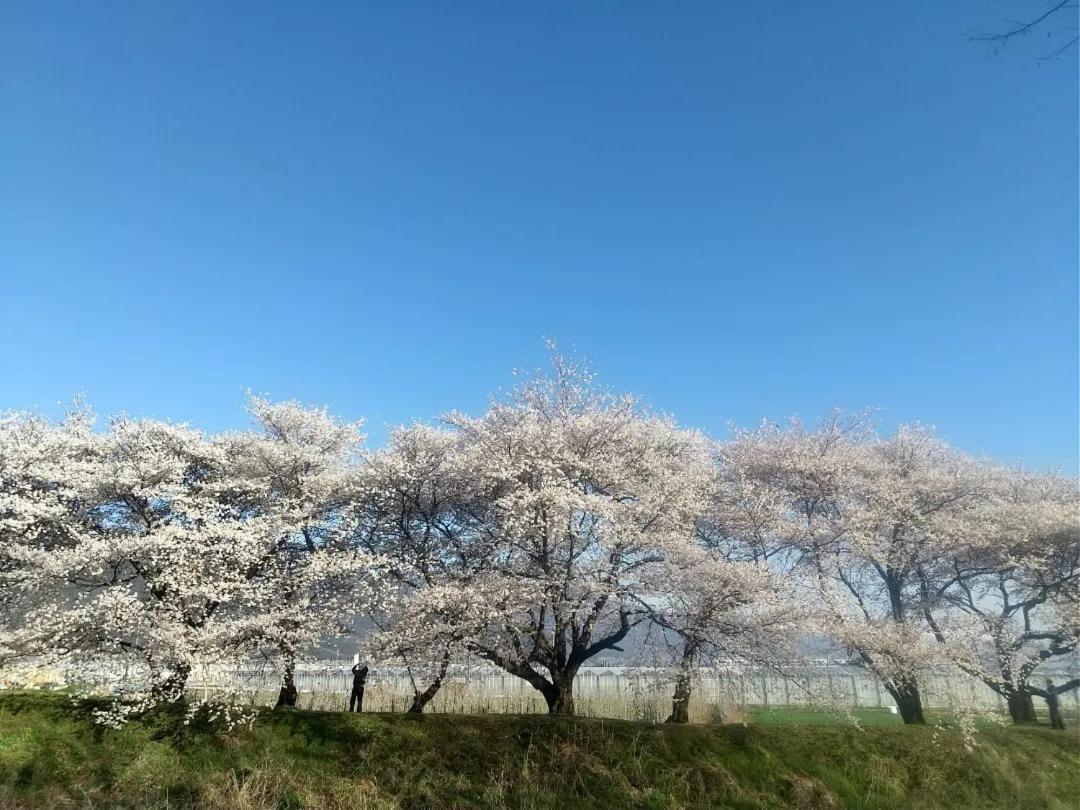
<point>616,692</point>
<point>620,692</point>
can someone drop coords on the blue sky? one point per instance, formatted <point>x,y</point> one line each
<point>738,211</point>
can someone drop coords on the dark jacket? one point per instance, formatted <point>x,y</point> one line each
<point>359,675</point>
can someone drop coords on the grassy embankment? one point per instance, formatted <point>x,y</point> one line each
<point>53,756</point>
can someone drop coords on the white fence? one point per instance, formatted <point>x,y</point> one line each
<point>640,693</point>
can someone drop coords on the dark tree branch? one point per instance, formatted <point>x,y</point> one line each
<point>1019,28</point>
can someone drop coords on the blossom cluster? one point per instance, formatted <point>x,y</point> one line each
<point>563,523</point>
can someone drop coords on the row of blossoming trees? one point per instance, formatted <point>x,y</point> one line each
<point>561,524</point>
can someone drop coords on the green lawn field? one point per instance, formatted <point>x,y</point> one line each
<point>53,756</point>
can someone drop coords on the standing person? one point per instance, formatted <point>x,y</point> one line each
<point>359,676</point>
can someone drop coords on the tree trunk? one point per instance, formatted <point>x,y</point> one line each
<point>1021,706</point>
<point>908,701</point>
<point>421,699</point>
<point>560,700</point>
<point>680,701</point>
<point>1052,695</point>
<point>172,687</point>
<point>559,692</point>
<point>287,695</point>
<point>558,688</point>
<point>1053,705</point>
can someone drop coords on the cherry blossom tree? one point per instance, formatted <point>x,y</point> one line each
<point>130,556</point>
<point>151,545</point>
<point>427,632</point>
<point>1007,599</point>
<point>423,511</point>
<point>299,470</point>
<point>869,514</point>
<point>45,472</point>
<point>716,610</point>
<point>584,491</point>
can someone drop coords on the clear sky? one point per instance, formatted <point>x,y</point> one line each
<point>737,210</point>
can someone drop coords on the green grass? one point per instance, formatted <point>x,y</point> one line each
<point>53,756</point>
<point>790,715</point>
<point>796,715</point>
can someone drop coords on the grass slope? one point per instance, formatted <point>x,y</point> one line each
<point>52,756</point>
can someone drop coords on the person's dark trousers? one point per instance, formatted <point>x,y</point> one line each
<point>356,700</point>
